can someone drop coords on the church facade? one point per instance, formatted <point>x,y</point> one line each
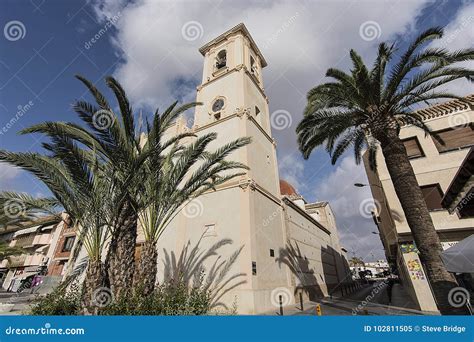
<point>275,243</point>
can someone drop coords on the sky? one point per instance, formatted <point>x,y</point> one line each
<point>151,47</point>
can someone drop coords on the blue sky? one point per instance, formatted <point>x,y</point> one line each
<point>144,48</point>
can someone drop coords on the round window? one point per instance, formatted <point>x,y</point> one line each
<point>218,105</point>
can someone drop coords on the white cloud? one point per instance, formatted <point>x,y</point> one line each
<point>299,39</point>
<point>457,35</point>
<point>291,170</point>
<point>354,222</point>
<point>7,173</point>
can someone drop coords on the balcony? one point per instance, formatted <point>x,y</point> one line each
<point>42,239</point>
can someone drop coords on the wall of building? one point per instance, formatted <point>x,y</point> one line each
<point>431,168</point>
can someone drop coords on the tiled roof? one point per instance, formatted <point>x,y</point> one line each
<point>445,108</point>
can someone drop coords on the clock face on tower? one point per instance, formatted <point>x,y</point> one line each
<point>218,105</point>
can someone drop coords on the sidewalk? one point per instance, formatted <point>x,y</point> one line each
<point>364,301</point>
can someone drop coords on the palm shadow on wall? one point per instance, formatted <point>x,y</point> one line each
<point>298,264</point>
<point>189,269</point>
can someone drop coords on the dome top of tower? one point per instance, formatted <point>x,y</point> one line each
<point>238,28</point>
<point>287,189</point>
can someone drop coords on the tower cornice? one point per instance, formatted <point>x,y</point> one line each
<point>238,28</point>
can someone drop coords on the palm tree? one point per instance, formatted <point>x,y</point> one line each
<point>179,174</point>
<point>81,186</point>
<point>366,109</point>
<point>113,141</point>
<point>6,251</point>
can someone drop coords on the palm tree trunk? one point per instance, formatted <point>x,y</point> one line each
<point>120,261</point>
<point>147,267</point>
<point>419,219</point>
<point>93,282</point>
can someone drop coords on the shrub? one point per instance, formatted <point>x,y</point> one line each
<point>60,302</point>
<point>167,299</point>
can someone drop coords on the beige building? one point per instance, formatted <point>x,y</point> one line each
<point>287,243</point>
<point>39,240</point>
<point>435,166</point>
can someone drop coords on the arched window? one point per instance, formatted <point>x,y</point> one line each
<point>253,66</point>
<point>221,59</point>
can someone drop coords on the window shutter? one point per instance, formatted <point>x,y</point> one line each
<point>456,138</point>
<point>433,196</point>
<point>413,147</point>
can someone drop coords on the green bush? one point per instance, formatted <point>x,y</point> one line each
<point>60,302</point>
<point>167,299</point>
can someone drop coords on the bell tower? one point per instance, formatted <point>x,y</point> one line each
<point>232,79</point>
<point>247,210</point>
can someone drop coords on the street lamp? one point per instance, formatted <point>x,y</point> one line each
<point>361,185</point>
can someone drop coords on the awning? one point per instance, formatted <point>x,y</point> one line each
<point>26,231</point>
<point>460,257</point>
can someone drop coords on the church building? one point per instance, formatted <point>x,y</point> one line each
<point>281,245</point>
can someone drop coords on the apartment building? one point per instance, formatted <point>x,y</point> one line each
<point>435,166</point>
<point>39,240</point>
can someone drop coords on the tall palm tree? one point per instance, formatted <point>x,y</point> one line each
<point>82,187</point>
<point>115,141</point>
<point>182,172</point>
<point>366,109</point>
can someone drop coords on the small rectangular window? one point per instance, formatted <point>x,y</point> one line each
<point>68,243</point>
<point>272,253</point>
<point>210,230</point>
<point>433,196</point>
<point>257,110</point>
<point>413,147</point>
<point>455,138</point>
<point>254,268</point>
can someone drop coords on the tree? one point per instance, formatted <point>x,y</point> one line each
<point>80,186</point>
<point>356,261</point>
<point>181,172</point>
<point>6,251</point>
<point>366,109</point>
